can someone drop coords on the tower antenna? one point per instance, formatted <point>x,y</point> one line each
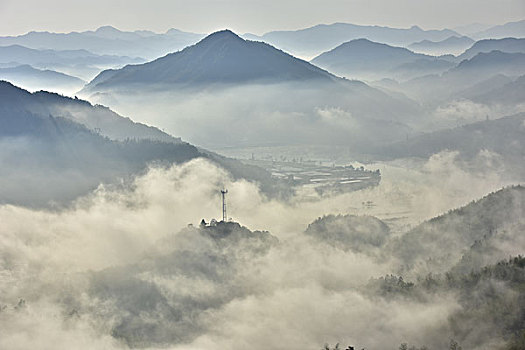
<point>223,193</point>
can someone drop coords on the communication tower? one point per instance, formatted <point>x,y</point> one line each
<point>223,193</point>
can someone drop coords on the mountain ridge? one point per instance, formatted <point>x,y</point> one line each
<point>362,57</point>
<point>508,45</point>
<point>108,41</point>
<point>314,40</point>
<point>510,29</point>
<point>221,57</point>
<point>451,45</point>
<point>68,155</point>
<point>37,79</point>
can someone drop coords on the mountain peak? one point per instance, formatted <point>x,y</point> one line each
<point>220,38</point>
<point>107,29</point>
<point>221,57</point>
<point>173,31</point>
<point>223,34</point>
<point>363,43</point>
<point>362,40</point>
<point>7,86</point>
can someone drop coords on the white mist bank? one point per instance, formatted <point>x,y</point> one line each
<point>300,295</point>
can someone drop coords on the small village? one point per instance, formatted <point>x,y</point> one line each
<point>322,178</point>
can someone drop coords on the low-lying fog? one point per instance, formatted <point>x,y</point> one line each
<point>285,113</point>
<point>300,294</point>
<point>295,114</point>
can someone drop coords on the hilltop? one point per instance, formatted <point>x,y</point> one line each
<point>365,58</point>
<point>221,57</point>
<point>466,238</point>
<point>214,256</point>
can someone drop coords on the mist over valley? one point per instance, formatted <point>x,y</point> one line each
<point>335,186</point>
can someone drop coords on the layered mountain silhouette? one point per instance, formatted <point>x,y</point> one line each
<point>97,119</point>
<point>259,82</point>
<point>362,57</point>
<point>80,63</point>
<point>452,45</point>
<point>51,154</point>
<point>511,29</point>
<point>465,76</point>
<point>504,137</point>
<point>24,55</point>
<point>48,158</point>
<point>37,79</point>
<point>222,57</point>
<point>491,63</point>
<point>509,45</point>
<point>323,37</point>
<point>472,28</point>
<point>108,40</point>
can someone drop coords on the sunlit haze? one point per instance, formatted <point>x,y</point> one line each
<point>205,16</point>
<point>262,175</point>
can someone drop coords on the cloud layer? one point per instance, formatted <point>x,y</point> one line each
<point>92,271</point>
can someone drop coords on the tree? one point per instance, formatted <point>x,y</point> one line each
<point>454,345</point>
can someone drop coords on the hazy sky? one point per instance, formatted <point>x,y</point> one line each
<point>255,16</point>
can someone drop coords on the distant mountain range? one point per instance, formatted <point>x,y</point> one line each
<point>51,158</point>
<point>108,41</point>
<point>80,63</point>
<point>305,43</point>
<point>312,41</point>
<point>363,58</point>
<point>55,148</point>
<point>36,79</point>
<point>504,137</point>
<point>24,55</point>
<point>254,74</point>
<point>222,57</point>
<point>97,119</point>
<point>511,29</point>
<point>491,63</point>
<point>250,74</point>
<point>453,45</point>
<point>465,76</point>
<point>263,83</point>
<point>471,28</point>
<point>509,45</point>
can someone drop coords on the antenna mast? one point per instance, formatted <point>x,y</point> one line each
<point>223,193</point>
